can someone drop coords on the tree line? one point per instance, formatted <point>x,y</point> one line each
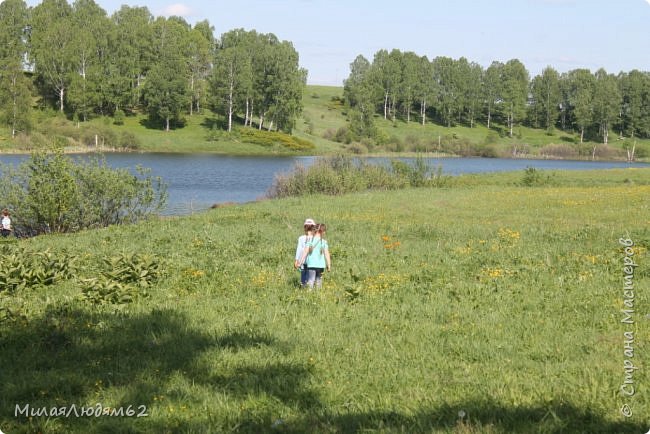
<point>459,92</point>
<point>79,61</point>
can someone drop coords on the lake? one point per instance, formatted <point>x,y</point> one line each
<point>198,181</point>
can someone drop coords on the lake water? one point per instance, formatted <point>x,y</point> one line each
<point>198,181</point>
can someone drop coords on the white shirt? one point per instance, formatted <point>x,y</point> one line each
<point>6,223</point>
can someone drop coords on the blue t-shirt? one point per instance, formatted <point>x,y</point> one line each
<point>316,259</point>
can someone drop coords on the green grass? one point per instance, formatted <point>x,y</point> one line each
<point>439,303</point>
<point>192,137</point>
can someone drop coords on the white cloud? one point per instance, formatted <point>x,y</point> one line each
<point>177,9</point>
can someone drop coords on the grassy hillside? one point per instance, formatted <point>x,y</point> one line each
<point>443,313</point>
<point>323,117</point>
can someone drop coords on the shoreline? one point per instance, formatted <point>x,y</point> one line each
<point>437,155</point>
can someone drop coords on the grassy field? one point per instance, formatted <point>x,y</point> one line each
<point>443,314</point>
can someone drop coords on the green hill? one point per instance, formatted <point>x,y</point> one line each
<point>324,124</point>
<point>324,117</point>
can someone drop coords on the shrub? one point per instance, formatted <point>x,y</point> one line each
<point>329,134</point>
<point>340,175</point>
<point>357,148</point>
<point>343,135</point>
<point>609,152</point>
<point>488,151</point>
<point>273,138</point>
<point>491,138</point>
<point>129,141</point>
<point>118,117</point>
<point>559,150</point>
<point>641,151</point>
<point>99,136</point>
<point>395,144</point>
<point>52,193</point>
<point>533,178</point>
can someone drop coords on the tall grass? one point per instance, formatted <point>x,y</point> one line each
<point>486,308</point>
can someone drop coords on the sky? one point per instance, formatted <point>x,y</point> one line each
<point>330,34</point>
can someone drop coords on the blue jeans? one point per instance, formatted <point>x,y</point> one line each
<point>314,276</point>
<point>303,275</point>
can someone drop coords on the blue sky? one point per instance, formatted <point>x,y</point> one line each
<point>329,34</point>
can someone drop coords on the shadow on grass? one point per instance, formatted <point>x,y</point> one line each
<point>479,418</point>
<point>70,356</point>
<point>214,123</point>
<point>159,124</point>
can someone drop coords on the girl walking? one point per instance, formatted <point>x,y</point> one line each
<point>317,257</point>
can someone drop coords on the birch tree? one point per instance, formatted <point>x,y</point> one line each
<point>166,87</point>
<point>89,50</point>
<point>53,37</point>
<point>581,93</point>
<point>473,75</point>
<point>385,73</point>
<point>360,94</point>
<point>15,95</point>
<point>231,71</point>
<point>635,90</point>
<point>545,89</point>
<point>409,82</point>
<point>425,89</point>
<point>449,95</point>
<point>515,92</point>
<point>606,103</point>
<point>131,56</point>
<point>200,53</point>
<point>492,89</point>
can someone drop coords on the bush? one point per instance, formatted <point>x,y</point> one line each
<point>118,117</point>
<point>560,150</point>
<point>534,178</point>
<point>488,151</point>
<point>99,137</point>
<point>491,138</point>
<point>357,148</point>
<point>52,193</point>
<point>609,152</point>
<point>129,141</point>
<point>641,151</point>
<point>341,175</point>
<point>329,134</point>
<point>343,135</point>
<point>273,138</point>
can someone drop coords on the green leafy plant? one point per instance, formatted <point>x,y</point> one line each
<point>125,278</point>
<point>103,290</point>
<point>21,269</point>
<point>133,268</point>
